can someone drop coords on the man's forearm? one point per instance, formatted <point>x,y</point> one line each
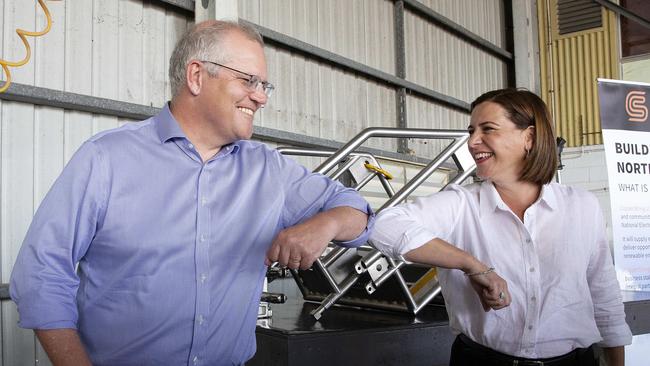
<point>63,347</point>
<point>349,222</point>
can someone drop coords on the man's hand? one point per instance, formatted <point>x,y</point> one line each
<point>492,290</point>
<point>300,245</point>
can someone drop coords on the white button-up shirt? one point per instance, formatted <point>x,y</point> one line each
<point>557,264</point>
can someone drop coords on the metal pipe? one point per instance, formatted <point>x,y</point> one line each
<point>333,255</point>
<point>424,173</point>
<point>321,267</point>
<point>386,184</point>
<point>365,181</point>
<point>333,297</point>
<point>367,260</point>
<point>273,298</point>
<point>436,290</point>
<point>301,286</point>
<point>380,132</point>
<point>460,177</point>
<point>410,302</point>
<point>348,164</point>
<point>386,275</point>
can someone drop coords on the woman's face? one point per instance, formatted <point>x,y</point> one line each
<point>497,145</point>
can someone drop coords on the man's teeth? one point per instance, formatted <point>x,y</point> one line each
<point>246,110</point>
<point>483,155</point>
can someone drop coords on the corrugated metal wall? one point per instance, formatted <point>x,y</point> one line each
<point>444,62</point>
<point>119,49</point>
<point>110,49</point>
<point>317,99</point>
<point>570,65</point>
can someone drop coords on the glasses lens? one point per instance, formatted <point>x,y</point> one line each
<point>253,82</point>
<point>268,89</point>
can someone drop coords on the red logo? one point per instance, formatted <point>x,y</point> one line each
<point>635,106</point>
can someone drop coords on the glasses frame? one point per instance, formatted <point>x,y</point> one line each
<point>253,81</point>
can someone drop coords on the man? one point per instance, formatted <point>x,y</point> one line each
<point>171,222</point>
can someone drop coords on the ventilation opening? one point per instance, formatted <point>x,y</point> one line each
<point>578,15</point>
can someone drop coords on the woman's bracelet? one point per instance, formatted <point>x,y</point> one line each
<point>489,270</point>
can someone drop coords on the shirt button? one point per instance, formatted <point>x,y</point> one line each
<point>528,241</point>
<point>203,277</point>
<point>195,360</point>
<point>201,319</point>
<point>532,269</point>
<point>530,327</point>
<point>533,298</point>
<point>190,146</point>
<point>204,201</point>
<point>202,237</point>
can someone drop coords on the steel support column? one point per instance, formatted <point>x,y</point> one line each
<point>400,72</point>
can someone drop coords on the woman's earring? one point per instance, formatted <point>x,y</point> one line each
<point>527,153</point>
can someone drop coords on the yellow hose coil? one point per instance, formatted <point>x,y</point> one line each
<point>23,36</point>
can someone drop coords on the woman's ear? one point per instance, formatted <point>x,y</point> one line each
<point>529,137</point>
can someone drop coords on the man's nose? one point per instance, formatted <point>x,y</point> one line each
<point>259,97</point>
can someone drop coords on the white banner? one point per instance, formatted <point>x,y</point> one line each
<point>626,137</point>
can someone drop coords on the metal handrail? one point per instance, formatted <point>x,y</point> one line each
<point>341,159</point>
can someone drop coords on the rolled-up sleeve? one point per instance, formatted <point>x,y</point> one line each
<point>609,311</point>
<point>307,194</point>
<point>405,227</point>
<point>44,282</point>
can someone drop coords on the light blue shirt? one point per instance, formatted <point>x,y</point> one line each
<point>170,250</point>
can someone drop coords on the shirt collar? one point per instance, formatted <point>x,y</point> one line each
<point>168,128</point>
<point>166,125</point>
<point>547,195</point>
<point>490,200</point>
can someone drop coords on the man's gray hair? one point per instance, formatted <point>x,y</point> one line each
<point>202,42</point>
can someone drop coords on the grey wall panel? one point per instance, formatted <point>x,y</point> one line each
<point>423,114</point>
<point>121,45</point>
<point>445,63</point>
<point>322,101</point>
<point>358,29</point>
<point>483,17</point>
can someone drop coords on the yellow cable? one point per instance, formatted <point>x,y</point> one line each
<point>23,36</point>
<point>379,170</point>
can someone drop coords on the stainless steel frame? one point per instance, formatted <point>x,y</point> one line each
<point>335,275</point>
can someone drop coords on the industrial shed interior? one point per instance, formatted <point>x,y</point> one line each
<point>339,66</point>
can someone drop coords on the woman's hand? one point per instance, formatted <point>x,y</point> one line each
<point>492,290</point>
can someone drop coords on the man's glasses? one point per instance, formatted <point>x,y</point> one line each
<point>253,82</point>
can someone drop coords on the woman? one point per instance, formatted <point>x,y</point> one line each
<point>546,240</point>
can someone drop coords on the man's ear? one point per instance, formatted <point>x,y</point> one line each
<point>194,77</point>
